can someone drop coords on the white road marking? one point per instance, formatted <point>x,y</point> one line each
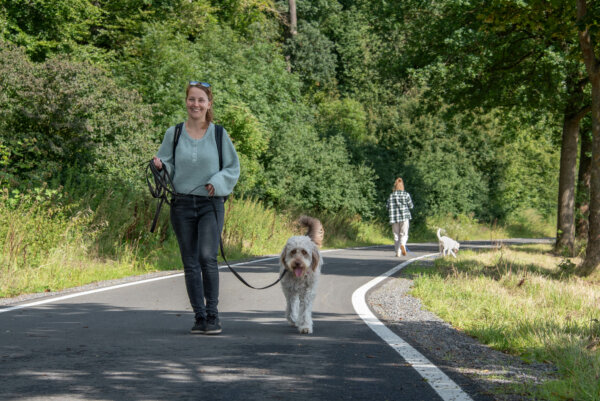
<point>80,294</point>
<point>114,287</point>
<point>438,380</point>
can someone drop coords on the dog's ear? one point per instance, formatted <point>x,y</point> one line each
<point>316,258</point>
<point>282,257</point>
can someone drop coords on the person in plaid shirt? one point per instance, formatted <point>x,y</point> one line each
<point>398,205</point>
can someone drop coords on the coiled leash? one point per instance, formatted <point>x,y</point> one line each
<point>162,188</point>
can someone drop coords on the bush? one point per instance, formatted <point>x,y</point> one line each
<point>312,55</point>
<point>248,137</point>
<point>312,173</point>
<point>59,114</point>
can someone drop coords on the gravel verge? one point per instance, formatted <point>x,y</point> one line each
<point>494,372</point>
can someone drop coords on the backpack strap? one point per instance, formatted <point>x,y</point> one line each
<point>178,129</point>
<point>219,140</point>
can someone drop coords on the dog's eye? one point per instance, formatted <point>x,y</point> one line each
<point>293,252</point>
<point>304,252</point>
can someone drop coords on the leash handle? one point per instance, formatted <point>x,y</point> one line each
<point>161,188</point>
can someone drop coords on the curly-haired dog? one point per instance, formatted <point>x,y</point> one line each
<point>447,245</point>
<point>302,262</point>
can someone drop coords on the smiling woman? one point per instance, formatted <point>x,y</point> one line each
<point>201,181</point>
<point>199,107</point>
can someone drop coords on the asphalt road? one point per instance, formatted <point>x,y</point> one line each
<point>132,343</point>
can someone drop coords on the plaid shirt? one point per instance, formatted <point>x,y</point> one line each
<point>398,205</point>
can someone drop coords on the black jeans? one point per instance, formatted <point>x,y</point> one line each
<point>198,233</point>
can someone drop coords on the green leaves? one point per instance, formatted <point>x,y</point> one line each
<point>46,27</point>
<point>312,56</point>
<point>308,173</point>
<point>250,140</point>
<point>376,89</point>
<point>59,113</point>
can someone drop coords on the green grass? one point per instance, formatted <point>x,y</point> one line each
<point>50,242</point>
<point>56,239</point>
<point>522,224</point>
<point>524,301</point>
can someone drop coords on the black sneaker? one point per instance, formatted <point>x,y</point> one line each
<point>199,326</point>
<point>212,325</point>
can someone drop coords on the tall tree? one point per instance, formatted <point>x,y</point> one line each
<point>293,18</point>
<point>588,19</point>
<point>521,56</point>
<point>575,110</point>
<point>582,202</point>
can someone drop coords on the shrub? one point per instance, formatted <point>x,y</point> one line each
<point>59,114</point>
<point>312,173</point>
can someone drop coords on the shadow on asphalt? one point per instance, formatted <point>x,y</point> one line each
<point>92,351</point>
<point>97,352</point>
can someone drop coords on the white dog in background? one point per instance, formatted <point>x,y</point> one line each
<point>302,262</point>
<point>447,245</point>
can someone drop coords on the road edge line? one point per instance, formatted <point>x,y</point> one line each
<point>114,287</point>
<point>446,388</point>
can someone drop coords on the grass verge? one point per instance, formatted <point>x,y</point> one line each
<point>49,242</point>
<point>524,301</point>
<point>52,240</point>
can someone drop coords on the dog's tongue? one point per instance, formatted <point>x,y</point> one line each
<point>298,271</point>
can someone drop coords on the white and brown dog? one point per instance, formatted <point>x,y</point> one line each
<point>302,262</point>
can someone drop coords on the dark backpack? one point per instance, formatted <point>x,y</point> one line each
<point>218,140</point>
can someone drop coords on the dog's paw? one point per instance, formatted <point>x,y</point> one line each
<point>291,321</point>
<point>305,330</point>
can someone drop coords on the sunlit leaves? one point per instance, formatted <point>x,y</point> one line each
<point>47,27</point>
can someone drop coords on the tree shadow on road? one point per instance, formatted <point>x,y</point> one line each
<point>98,352</point>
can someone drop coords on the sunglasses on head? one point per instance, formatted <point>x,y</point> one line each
<point>198,83</point>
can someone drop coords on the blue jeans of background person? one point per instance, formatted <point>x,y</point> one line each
<point>198,234</point>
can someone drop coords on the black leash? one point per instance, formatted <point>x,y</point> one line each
<point>163,186</point>
<point>231,268</point>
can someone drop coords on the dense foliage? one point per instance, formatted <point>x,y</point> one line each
<point>323,120</point>
<point>60,114</point>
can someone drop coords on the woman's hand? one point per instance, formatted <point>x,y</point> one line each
<point>210,189</point>
<point>158,163</point>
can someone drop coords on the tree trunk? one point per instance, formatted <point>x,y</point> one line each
<point>293,18</point>
<point>565,224</point>
<point>592,65</point>
<point>293,30</point>
<point>582,198</point>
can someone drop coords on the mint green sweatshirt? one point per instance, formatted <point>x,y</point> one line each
<point>197,162</point>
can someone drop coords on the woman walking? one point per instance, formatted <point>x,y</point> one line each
<point>399,204</point>
<point>197,211</point>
